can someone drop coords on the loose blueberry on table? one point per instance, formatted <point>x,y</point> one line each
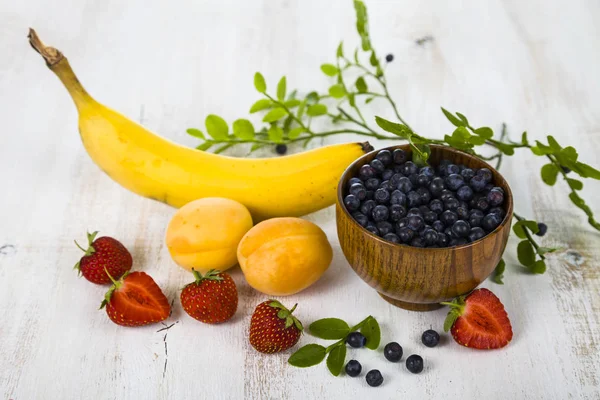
<point>353,368</point>
<point>445,206</point>
<point>392,352</point>
<point>374,378</point>
<point>414,364</point>
<point>430,338</point>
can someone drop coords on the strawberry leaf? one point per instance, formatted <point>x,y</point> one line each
<point>452,316</point>
<point>372,332</point>
<point>329,328</point>
<point>307,356</point>
<point>336,358</point>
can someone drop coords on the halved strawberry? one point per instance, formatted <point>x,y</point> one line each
<point>136,300</point>
<point>479,320</point>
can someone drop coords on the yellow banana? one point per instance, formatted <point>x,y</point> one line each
<point>154,167</point>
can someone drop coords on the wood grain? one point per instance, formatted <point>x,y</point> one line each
<point>419,278</point>
<point>533,64</point>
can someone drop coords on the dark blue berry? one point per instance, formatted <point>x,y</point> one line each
<point>385,156</point>
<point>457,242</point>
<point>446,194</point>
<point>437,186</point>
<point>370,194</point>
<point>423,208</point>
<point>398,197</point>
<point>353,368</point>
<point>454,182</point>
<point>366,172</point>
<point>430,217</point>
<point>372,183</point>
<point>452,169</point>
<point>414,211</point>
<point>380,213</point>
<point>414,364</point>
<point>542,229</point>
<point>404,184</point>
<point>482,204</point>
<point>374,378</point>
<point>464,193</point>
<point>403,222</point>
<point>361,218</point>
<point>476,234</point>
<point>382,196</point>
<point>395,180</point>
<point>477,183</point>
<point>451,204</point>
<point>391,237</point>
<point>413,179</point>
<point>430,237</point>
<point>351,202</point>
<point>448,217</point>
<point>443,240</point>
<point>490,222</point>
<point>498,210</point>
<point>475,217</point>
<point>417,242</point>
<point>393,352</point>
<point>384,227</point>
<point>436,206</point>
<point>387,174</point>
<point>488,187</point>
<point>389,58</point>
<point>372,228</point>
<point>356,340</point>
<point>424,194</point>
<point>397,212</point>
<point>462,212</point>
<point>495,197</point>
<point>415,222</point>
<point>281,149</point>
<point>358,191</point>
<point>405,234</point>
<point>461,228</point>
<point>467,173</point>
<point>399,156</point>
<point>409,168</point>
<point>427,171</point>
<point>486,174</point>
<point>397,168</point>
<point>385,185</point>
<point>413,199</point>
<point>378,166</point>
<point>430,338</point>
<point>352,181</point>
<point>438,226</point>
<point>367,207</point>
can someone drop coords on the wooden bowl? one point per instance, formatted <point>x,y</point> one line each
<point>419,278</point>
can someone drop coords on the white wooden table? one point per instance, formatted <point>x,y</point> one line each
<point>534,64</point>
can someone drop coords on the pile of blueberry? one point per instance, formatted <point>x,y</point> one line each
<point>447,206</point>
<point>392,352</point>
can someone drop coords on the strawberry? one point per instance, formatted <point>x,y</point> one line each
<point>273,328</point>
<point>136,300</point>
<point>479,320</point>
<point>211,298</point>
<point>103,254</point>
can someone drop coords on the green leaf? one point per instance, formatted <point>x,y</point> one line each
<point>477,140</point>
<point>287,123</point>
<point>216,127</point>
<point>371,331</point>
<point>307,356</point>
<point>204,146</point>
<point>292,103</point>
<point>275,115</point>
<point>337,91</point>
<point>281,89</point>
<point>524,139</point>
<point>356,56</point>
<point>292,95</point>
<point>243,129</point>
<point>545,250</point>
<point>499,272</point>
<point>587,172</point>
<point>362,26</point>
<point>260,105</point>
<point>505,148</point>
<point>575,184</point>
<point>462,118</point>
<point>259,82</point>
<point>340,50</point>
<point>301,109</point>
<point>579,202</point>
<point>336,358</point>
<point>361,85</point>
<point>549,174</point>
<point>420,154</point>
<point>484,132</point>
<point>316,110</point>
<point>525,253</point>
<point>541,149</point>
<point>538,267</point>
<point>275,134</point>
<point>256,146</point>
<point>530,225</point>
<point>351,99</point>
<point>312,98</point>
<point>196,133</point>
<point>370,99</point>
<point>568,153</point>
<point>461,133</point>
<point>373,59</point>
<point>329,328</point>
<point>329,69</point>
<point>397,129</point>
<point>296,132</point>
<point>453,314</point>
<point>455,121</point>
<point>554,144</point>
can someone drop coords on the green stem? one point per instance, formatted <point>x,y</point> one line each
<point>528,234</point>
<point>290,113</point>
<point>341,76</point>
<point>351,119</point>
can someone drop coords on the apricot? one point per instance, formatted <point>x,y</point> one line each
<point>282,256</point>
<point>204,234</point>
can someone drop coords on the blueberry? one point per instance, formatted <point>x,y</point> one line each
<point>391,237</point>
<point>461,228</point>
<point>370,194</point>
<point>374,378</point>
<point>542,229</point>
<point>413,179</point>
<point>409,168</point>
<point>372,228</point>
<point>372,183</point>
<point>488,187</point>
<point>436,186</point>
<point>566,170</point>
<point>430,338</point>
<point>482,203</point>
<point>382,196</point>
<point>397,197</point>
<point>452,169</point>
<point>415,222</point>
<point>397,169</point>
<point>451,204</point>
<point>448,217</point>
<point>436,206</point>
<point>454,181</point>
<point>392,352</point>
<point>475,218</point>
<point>443,240</point>
<point>384,227</point>
<point>446,194</point>
<point>464,193</point>
<point>361,218</point>
<point>366,172</point>
<point>385,185</point>
<point>404,184</point>
<point>467,173</point>
<point>353,368</point>
<point>414,211</point>
<point>403,222</point>
<point>395,180</point>
<point>351,202</point>
<point>430,237</point>
<point>385,156</point>
<point>457,242</point>
<point>476,234</point>
<point>405,234</point>
<point>367,207</point>
<point>358,191</point>
<point>498,210</point>
<point>377,166</point>
<point>397,212</point>
<point>438,226</point>
<point>380,213</point>
<point>477,183</point>
<point>414,364</point>
<point>430,217</point>
<point>424,194</point>
<point>387,174</point>
<point>281,149</point>
<point>486,174</point>
<point>417,242</point>
<point>495,197</point>
<point>352,181</point>
<point>423,208</point>
<point>490,222</point>
<point>389,57</point>
<point>427,171</point>
<point>399,156</point>
<point>462,212</point>
<point>413,199</point>
<point>356,340</point>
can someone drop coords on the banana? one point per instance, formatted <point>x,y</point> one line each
<point>154,167</point>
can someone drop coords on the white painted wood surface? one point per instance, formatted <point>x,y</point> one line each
<point>533,64</point>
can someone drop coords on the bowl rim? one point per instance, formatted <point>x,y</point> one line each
<point>342,206</point>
